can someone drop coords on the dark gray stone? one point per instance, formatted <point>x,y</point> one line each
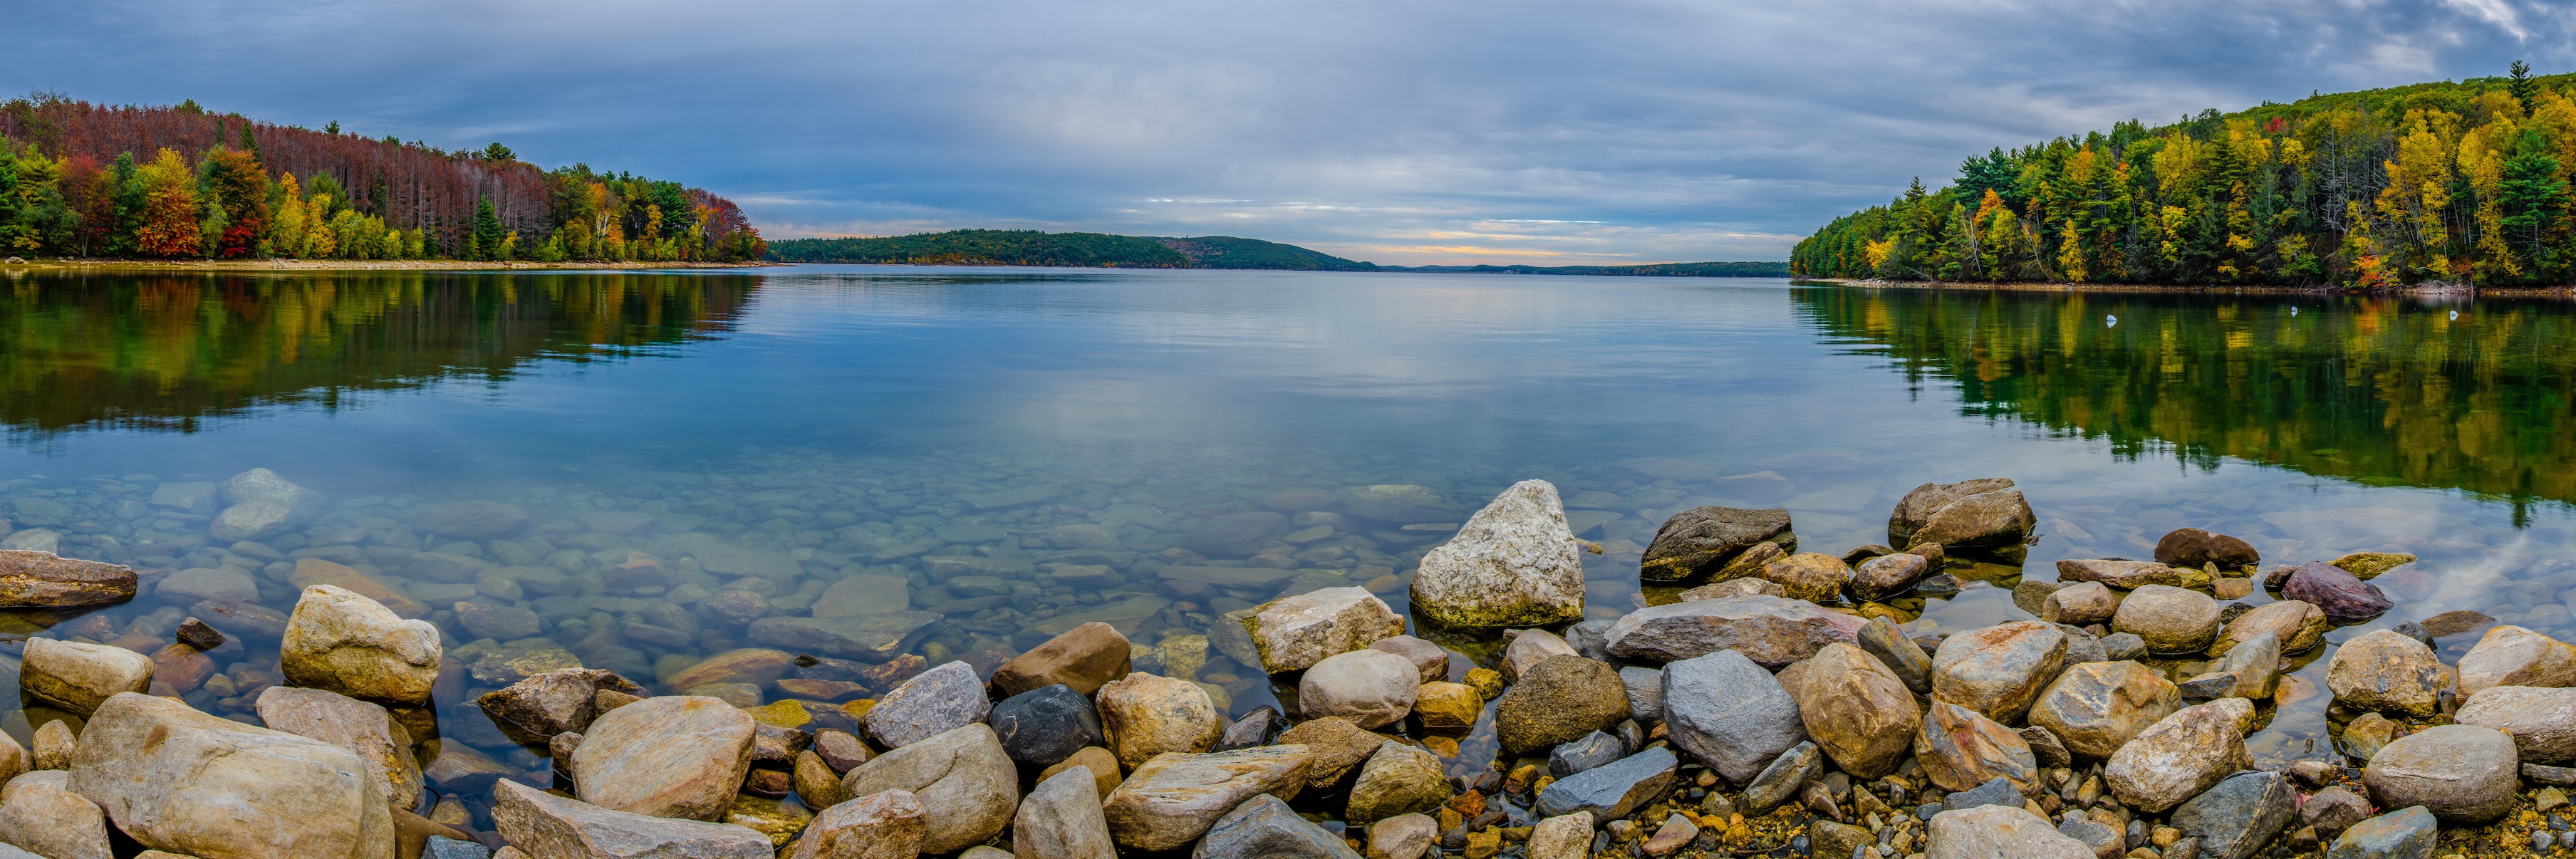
<point>1612,790</point>
<point>443,847</point>
<point>1997,791</point>
<point>1590,638</point>
<point>195,633</point>
<point>1781,780</point>
<point>2207,686</point>
<point>933,702</point>
<point>1632,736</point>
<point>1645,693</point>
<point>2544,774</point>
<point>2120,646</point>
<point>2045,747</point>
<point>1260,727</point>
<point>2416,631</point>
<point>1263,826</point>
<point>1702,539</point>
<point>1725,710</point>
<point>2240,816</point>
<point>1043,726</point>
<point>2407,833</point>
<point>1884,640</point>
<point>2081,646</point>
<point>1593,750</point>
<point>2100,836</point>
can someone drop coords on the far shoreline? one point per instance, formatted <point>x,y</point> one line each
<point>2446,290</point>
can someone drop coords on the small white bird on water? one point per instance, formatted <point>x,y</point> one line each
<point>2110,321</point>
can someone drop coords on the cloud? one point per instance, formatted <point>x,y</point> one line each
<point>1636,130</point>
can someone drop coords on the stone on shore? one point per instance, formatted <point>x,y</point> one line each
<point>670,756</point>
<point>1960,749</point>
<point>41,814</point>
<point>1514,564</point>
<point>1771,631</point>
<point>2514,656</point>
<point>32,579</point>
<point>1527,648</point>
<point>2464,774</point>
<point>2388,671</point>
<point>1043,726</point>
<point>2125,575</point>
<point>2239,816</point>
<point>2298,625</point>
<point>179,780</point>
<point>1427,658</point>
<point>2344,597</point>
<point>2255,663</point>
<point>1398,779</point>
<point>1997,832</point>
<point>1084,657</point>
<point>2080,603</point>
<point>547,703</point>
<point>1857,710</point>
<point>1336,749</point>
<point>1371,688</point>
<point>2180,755</point>
<point>1173,799</point>
<point>2542,721</point>
<point>933,702</point>
<point>1816,578</point>
<point>346,643</point>
<point>2407,833</point>
<point>1260,727</point>
<point>1293,633</point>
<point>1562,837</point>
<point>1061,819</point>
<point>964,775</point>
<point>1612,791</point>
<point>53,747</point>
<point>1593,750</point>
<point>1998,670</point>
<point>1888,575</point>
<point>1732,588</point>
<point>1105,774</point>
<point>1561,698</point>
<point>2168,619</point>
<point>554,827</point>
<point>1147,715</point>
<point>1900,654</point>
<point>363,728</point>
<point>1701,540</point>
<point>1986,512</point>
<point>1265,827</point>
<point>78,677</point>
<point>2192,548</point>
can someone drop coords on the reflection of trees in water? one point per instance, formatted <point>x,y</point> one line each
<point>165,352</point>
<point>2378,391</point>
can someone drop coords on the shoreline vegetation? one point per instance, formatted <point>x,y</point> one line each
<point>2424,290</point>
<point>2448,185</point>
<point>118,266</point>
<point>1103,250</point>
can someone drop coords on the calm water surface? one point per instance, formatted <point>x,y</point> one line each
<point>985,441</point>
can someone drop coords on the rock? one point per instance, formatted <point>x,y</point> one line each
<point>1985,512</point>
<point>882,825</point>
<point>1731,588</point>
<point>1999,791</point>
<point>1042,726</point>
<point>2387,671</point>
<point>1857,710</point>
<point>2464,774</point>
<point>2124,575</point>
<point>1513,564</point>
<point>551,826</point>
<point>1398,779</point>
<point>2366,734</point>
<point>1645,693</point>
<point>1396,504</point>
<point>33,579</point>
<point>534,710</point>
<point>1960,748</point>
<point>1772,631</point>
<point>2080,603</point>
<point>176,779</point>
<point>1887,575</point>
<point>1783,777</point>
<point>260,484</point>
<point>864,595</point>
<point>2239,816</point>
<point>670,756</point>
<point>40,814</point>
<point>1234,535</point>
<point>1061,819</point>
<point>2046,748</point>
<point>2407,833</point>
<point>2514,656</point>
<point>195,633</point>
<point>2120,646</point>
<point>1264,826</point>
<point>2031,596</point>
<point>1563,837</point>
<point>1999,669</point>
<point>2333,810</point>
<point>1448,706</point>
<point>362,728</point>
<point>2168,619</point>
<point>1897,653</point>
<point>1575,756</point>
<point>1084,658</point>
<point>2081,646</point>
<point>2368,565</point>
<point>2105,841</point>
<point>1702,540</point>
<point>933,702</point>
<point>874,638</point>
<point>500,622</point>
<point>1993,831</point>
<point>1335,747</point>
<point>1260,727</point>
<point>1528,648</point>
<point>2299,626</point>
<point>2255,665</point>
<point>1838,840</point>
<point>1174,798</point>
<point>346,643</point>
<point>2541,721</point>
<point>2344,597</point>
<point>1102,765</point>
<point>78,677</point>
<point>1809,576</point>
<point>2192,548</point>
<point>1146,715</point>
<point>2180,755</point>
<point>1676,833</point>
<point>1561,698</point>
<point>754,665</point>
<point>814,782</point>
<point>1427,658</point>
<point>14,759</point>
<point>474,520</point>
<point>54,747</point>
<point>963,773</point>
<point>1613,791</point>
<point>316,571</point>
<point>1371,688</point>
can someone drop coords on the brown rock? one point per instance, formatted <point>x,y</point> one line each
<point>2080,604</point>
<point>2344,598</point>
<point>672,756</point>
<point>2126,575</point>
<point>2386,670</point>
<point>1983,512</point>
<point>882,825</point>
<point>758,666</point>
<point>2368,565</point>
<point>1960,749</point>
<point>1336,748</point>
<point>2511,656</point>
<point>2168,619</point>
<point>1856,710</point>
<point>551,702</point>
<point>1998,670</point>
<point>1085,658</point>
<point>2181,755</point>
<point>1888,575</point>
<point>1102,765</point>
<point>1769,630</point>
<point>315,571</point>
<point>2192,548</point>
<point>1810,576</point>
<point>30,579</point>
<point>1147,715</point>
<point>1702,539</point>
<point>1172,799</point>
<point>1561,699</point>
<point>2541,721</point>
<point>2299,626</point>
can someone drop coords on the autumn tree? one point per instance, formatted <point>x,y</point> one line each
<point>167,226</point>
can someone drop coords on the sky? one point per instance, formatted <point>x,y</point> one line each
<point>1394,131</point>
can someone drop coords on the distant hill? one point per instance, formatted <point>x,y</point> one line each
<point>1102,250</point>
<point>1231,252</point>
<point>1665,269</point>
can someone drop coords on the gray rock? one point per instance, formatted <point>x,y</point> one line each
<point>2541,774</point>
<point>1780,781</point>
<point>1612,790</point>
<point>1371,688</point>
<point>2464,774</point>
<point>1428,658</point>
<point>2105,841</point>
<point>500,622</point>
<point>1729,712</point>
<point>1593,750</point>
<point>1590,639</point>
<point>471,519</point>
<point>1260,727</point>
<point>1900,654</point>
<point>2182,755</point>
<point>2081,646</point>
<point>2240,816</point>
<point>1997,791</point>
<point>358,726</point>
<point>1645,693</point>
<point>2407,833</point>
<point>1992,831</point>
<point>1700,540</point>
<point>1264,826</point>
<point>1887,575</point>
<point>199,584</point>
<point>1513,564</point>
<point>933,702</point>
<point>443,847</point>
<point>1234,535</point>
<point>1771,631</point>
<point>2255,663</point>
<point>543,824</point>
<point>963,774</point>
<point>2120,646</point>
<point>1527,648</point>
<point>1042,726</point>
<point>1061,819</point>
<point>1398,503</point>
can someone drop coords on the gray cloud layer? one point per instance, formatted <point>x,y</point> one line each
<point>1621,131</point>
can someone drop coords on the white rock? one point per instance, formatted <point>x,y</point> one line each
<point>678,756</point>
<point>1371,688</point>
<point>346,643</point>
<point>77,677</point>
<point>1999,832</point>
<point>1293,633</point>
<point>363,728</point>
<point>1514,564</point>
<point>552,827</point>
<point>183,781</point>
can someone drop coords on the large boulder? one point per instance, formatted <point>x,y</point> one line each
<point>78,677</point>
<point>1986,512</point>
<point>1174,798</point>
<point>2168,619</point>
<point>2514,656</point>
<point>40,813</point>
<point>2299,627</point>
<point>2542,721</point>
<point>1771,631</point>
<point>1084,657</point>
<point>542,824</point>
<point>1857,710</point>
<point>933,702</point>
<point>534,710</point>
<point>2344,597</point>
<point>1562,698</point>
<point>1961,749</point>
<point>2388,671</point>
<point>2464,774</point>
<point>1999,831</point>
<point>669,756</point>
<point>1061,819</point>
<point>963,773</point>
<point>1147,715</point>
<point>1725,710</point>
<point>186,782</point>
<point>32,579</point>
<point>1371,688</point>
<point>344,642</point>
<point>2181,755</point>
<point>1264,826</point>
<point>1293,633</point>
<point>2000,669</point>
<point>1513,564</point>
<point>1042,726</point>
<point>359,726</point>
<point>1701,540</point>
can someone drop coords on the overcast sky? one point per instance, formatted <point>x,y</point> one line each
<point>1607,131</point>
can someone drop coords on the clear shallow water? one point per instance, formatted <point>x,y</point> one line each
<point>776,433</point>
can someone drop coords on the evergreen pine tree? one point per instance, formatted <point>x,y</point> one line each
<point>487,230</point>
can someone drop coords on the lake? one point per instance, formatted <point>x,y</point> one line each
<point>1010,452</point>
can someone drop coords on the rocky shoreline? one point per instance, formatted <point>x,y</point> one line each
<point>1774,706</point>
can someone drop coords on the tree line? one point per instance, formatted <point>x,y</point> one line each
<point>179,182</point>
<point>2447,182</point>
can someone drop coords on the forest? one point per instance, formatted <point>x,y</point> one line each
<point>2449,183</point>
<point>180,182</point>
<point>986,247</point>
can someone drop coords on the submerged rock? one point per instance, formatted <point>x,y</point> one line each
<point>1515,563</point>
<point>1702,540</point>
